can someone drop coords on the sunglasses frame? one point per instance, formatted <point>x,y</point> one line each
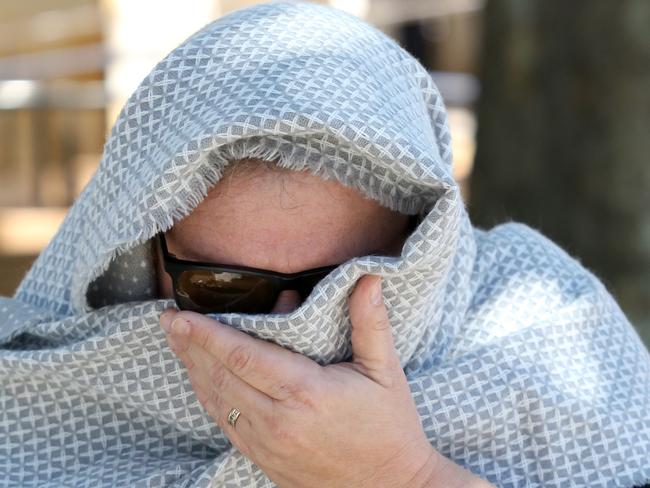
<point>175,266</point>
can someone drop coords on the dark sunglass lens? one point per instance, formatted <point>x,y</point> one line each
<point>307,283</point>
<point>221,292</point>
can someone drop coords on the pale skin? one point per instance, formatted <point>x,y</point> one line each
<point>347,424</point>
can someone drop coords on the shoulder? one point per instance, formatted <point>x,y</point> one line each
<point>526,290</point>
<point>522,272</point>
<point>514,251</point>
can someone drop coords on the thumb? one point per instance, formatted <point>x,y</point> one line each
<point>373,349</point>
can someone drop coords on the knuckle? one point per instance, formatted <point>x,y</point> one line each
<point>202,398</point>
<point>240,359</point>
<point>298,395</point>
<point>268,420</point>
<point>215,399</point>
<point>285,438</point>
<point>219,377</point>
<point>215,412</point>
<point>223,418</point>
<point>204,339</point>
<point>278,426</point>
<point>389,377</point>
<point>281,432</point>
<point>220,419</point>
<point>302,391</point>
<point>189,363</point>
<point>200,393</point>
<point>272,423</point>
<point>380,323</point>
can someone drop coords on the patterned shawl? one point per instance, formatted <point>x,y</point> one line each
<point>523,368</point>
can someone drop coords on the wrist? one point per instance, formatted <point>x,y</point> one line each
<point>425,476</point>
<point>441,472</point>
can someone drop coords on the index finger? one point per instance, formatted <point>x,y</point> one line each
<point>268,367</point>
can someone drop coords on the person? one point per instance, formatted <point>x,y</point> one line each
<point>315,223</point>
<point>285,175</point>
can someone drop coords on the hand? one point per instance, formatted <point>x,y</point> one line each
<point>346,424</point>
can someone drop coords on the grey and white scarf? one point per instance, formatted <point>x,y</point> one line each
<point>522,366</point>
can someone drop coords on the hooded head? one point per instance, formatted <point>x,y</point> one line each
<point>315,90</point>
<point>279,220</point>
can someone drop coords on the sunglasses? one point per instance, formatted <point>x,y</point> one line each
<point>217,288</point>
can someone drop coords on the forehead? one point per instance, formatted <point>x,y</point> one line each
<point>285,221</point>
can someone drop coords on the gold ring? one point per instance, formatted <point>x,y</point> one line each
<point>233,415</point>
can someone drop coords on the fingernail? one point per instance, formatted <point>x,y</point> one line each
<point>166,320</point>
<point>180,327</point>
<point>376,297</point>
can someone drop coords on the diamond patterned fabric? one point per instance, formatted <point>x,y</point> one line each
<point>523,368</point>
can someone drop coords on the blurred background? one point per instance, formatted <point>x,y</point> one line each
<point>549,106</point>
